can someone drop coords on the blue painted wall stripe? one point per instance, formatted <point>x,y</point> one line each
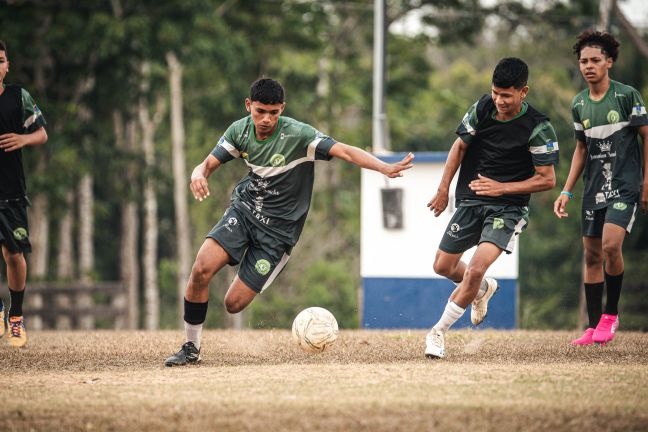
<point>418,157</point>
<point>390,303</point>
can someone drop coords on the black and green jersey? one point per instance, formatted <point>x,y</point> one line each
<point>18,114</point>
<point>505,151</point>
<point>276,193</point>
<point>608,127</point>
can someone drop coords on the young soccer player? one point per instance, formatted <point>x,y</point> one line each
<point>608,116</point>
<point>268,207</point>
<point>21,125</point>
<point>506,150</point>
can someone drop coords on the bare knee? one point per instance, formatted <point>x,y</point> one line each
<point>201,273</point>
<point>13,259</point>
<point>444,266</point>
<point>611,251</point>
<point>234,305</point>
<point>593,258</point>
<point>474,274</point>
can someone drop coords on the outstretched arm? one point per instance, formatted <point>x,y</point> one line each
<point>363,159</point>
<point>575,170</point>
<point>198,185</point>
<point>11,141</point>
<point>439,202</point>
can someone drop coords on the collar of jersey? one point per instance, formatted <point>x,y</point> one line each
<point>518,115</point>
<point>604,96</point>
<point>271,137</point>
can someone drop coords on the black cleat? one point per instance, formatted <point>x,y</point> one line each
<point>188,354</point>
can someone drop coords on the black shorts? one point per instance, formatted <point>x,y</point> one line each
<point>472,225</point>
<point>262,256</point>
<point>14,230</point>
<point>617,213</point>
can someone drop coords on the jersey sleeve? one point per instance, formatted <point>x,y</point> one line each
<point>227,147</point>
<point>543,145</point>
<point>579,128</point>
<point>319,145</point>
<point>32,116</point>
<point>468,126</point>
<point>638,115</point>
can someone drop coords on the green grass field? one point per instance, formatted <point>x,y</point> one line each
<point>367,381</point>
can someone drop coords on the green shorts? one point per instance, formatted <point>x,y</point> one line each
<point>14,230</point>
<point>472,225</point>
<point>260,255</point>
<point>617,213</point>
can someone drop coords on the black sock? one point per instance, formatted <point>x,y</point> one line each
<point>594,298</point>
<point>195,313</point>
<point>613,285</point>
<point>16,302</point>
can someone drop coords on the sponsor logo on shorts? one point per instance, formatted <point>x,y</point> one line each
<point>498,223</point>
<point>600,198</point>
<point>620,206</point>
<point>455,227</point>
<point>613,117</point>
<point>232,221</point>
<point>278,160</point>
<point>262,267</point>
<point>589,215</point>
<point>20,233</point>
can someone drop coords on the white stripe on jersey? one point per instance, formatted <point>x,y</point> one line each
<point>262,171</point>
<point>312,146</point>
<point>604,131</point>
<point>230,148</point>
<point>543,149</point>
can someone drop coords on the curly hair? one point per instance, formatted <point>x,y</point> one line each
<point>597,39</point>
<point>267,91</point>
<point>511,72</point>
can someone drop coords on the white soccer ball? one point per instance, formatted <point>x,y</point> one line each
<point>314,329</point>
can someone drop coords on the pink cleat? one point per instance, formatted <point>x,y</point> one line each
<point>586,339</point>
<point>606,328</point>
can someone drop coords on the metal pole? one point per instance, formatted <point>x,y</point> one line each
<point>379,120</point>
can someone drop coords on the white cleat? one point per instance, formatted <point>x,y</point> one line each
<point>435,344</point>
<point>480,307</point>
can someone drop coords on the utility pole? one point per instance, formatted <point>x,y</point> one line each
<point>379,118</point>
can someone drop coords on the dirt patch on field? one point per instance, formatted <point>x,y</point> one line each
<point>369,380</point>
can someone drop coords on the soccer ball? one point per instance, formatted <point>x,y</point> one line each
<point>314,329</point>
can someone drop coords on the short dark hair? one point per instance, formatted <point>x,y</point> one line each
<point>511,72</point>
<point>597,39</point>
<point>267,91</point>
<point>3,47</point>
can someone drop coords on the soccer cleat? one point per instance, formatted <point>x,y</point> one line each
<point>16,335</point>
<point>187,354</point>
<point>2,318</point>
<point>435,344</point>
<point>479,307</point>
<point>586,339</point>
<point>606,328</point>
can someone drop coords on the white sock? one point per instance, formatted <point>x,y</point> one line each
<point>483,287</point>
<point>450,316</point>
<point>193,333</point>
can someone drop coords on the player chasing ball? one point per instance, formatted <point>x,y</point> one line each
<point>607,116</point>
<point>268,207</point>
<point>506,150</point>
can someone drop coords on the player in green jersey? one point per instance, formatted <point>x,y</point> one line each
<point>268,207</point>
<point>21,125</point>
<point>507,151</point>
<point>607,116</point>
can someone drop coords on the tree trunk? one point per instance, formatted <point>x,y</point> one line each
<point>149,259</point>
<point>86,247</point>
<point>39,237</point>
<point>65,260</point>
<point>179,179</point>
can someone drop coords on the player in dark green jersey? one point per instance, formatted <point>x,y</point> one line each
<point>607,116</point>
<point>21,125</point>
<point>506,150</point>
<point>268,207</point>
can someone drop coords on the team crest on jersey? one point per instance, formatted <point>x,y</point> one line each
<point>278,160</point>
<point>613,117</point>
